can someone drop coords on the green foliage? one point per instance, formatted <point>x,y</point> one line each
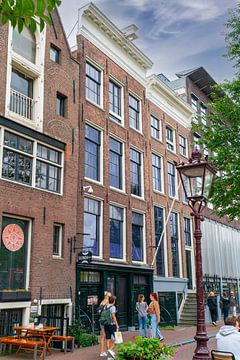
<point>145,349</point>
<point>82,337</point>
<point>85,340</point>
<point>221,136</point>
<point>27,12</point>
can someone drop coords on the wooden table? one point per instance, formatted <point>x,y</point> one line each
<point>45,333</point>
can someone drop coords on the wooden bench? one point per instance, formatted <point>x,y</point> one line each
<point>64,340</point>
<point>23,344</point>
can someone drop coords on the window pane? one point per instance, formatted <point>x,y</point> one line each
<point>93,83</point>
<point>174,244</point>
<point>24,43</point>
<point>134,111</point>
<point>56,240</point>
<point>91,226</point>
<point>115,163</point>
<point>171,180</point>
<point>135,172</point>
<point>115,98</point>
<point>116,232</point>
<point>159,224</point>
<point>54,54</point>
<point>137,237</point>
<point>17,167</point>
<point>156,172</point>
<point>18,142</point>
<point>155,128</point>
<point>92,153</point>
<point>60,105</point>
<point>182,145</point>
<point>170,138</point>
<point>187,232</point>
<point>21,83</point>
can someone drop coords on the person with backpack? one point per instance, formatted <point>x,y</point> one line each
<point>102,305</point>
<point>109,321</point>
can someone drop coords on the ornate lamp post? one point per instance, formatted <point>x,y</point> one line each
<point>196,177</point>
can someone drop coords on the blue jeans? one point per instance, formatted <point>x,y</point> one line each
<point>155,331</point>
<point>142,324</point>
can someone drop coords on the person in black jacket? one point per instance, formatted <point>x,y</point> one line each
<point>212,304</point>
<point>225,305</point>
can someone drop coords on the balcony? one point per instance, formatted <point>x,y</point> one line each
<point>21,104</point>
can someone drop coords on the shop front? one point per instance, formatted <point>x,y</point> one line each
<point>125,282</point>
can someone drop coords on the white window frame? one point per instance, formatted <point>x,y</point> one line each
<point>123,190</point>
<point>162,174</point>
<point>142,174</point>
<point>191,248</point>
<point>160,127</point>
<point>60,241</point>
<point>180,148</point>
<point>203,113</point>
<point>155,204</point>
<point>34,160</point>
<point>195,108</point>
<point>123,259</point>
<point>196,137</point>
<point>144,238</point>
<point>176,187</point>
<point>100,69</point>
<point>114,115</point>
<point>169,142</point>
<point>136,97</point>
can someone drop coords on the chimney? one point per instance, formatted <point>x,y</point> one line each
<point>130,32</point>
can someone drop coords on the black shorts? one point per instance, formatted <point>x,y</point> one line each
<point>109,331</point>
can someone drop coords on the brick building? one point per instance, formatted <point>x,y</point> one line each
<point>39,172</point>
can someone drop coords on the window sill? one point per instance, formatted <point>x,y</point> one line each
<point>118,260</point>
<point>158,140</point>
<point>100,183</point>
<point>171,151</point>
<point>56,257</point>
<point>117,190</point>
<point>100,107</point>
<point>116,119</point>
<point>137,131</point>
<point>158,192</point>
<point>135,262</point>
<point>138,197</point>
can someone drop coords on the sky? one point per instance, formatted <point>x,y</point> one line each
<point>175,34</point>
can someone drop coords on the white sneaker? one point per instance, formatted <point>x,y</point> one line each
<point>112,353</point>
<point>103,353</point>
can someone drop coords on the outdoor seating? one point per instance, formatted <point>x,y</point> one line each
<point>65,340</point>
<point>23,344</point>
<point>222,355</point>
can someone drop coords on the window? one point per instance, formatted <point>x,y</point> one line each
<point>48,169</point>
<point>156,128</point>
<point>90,277</point>
<point>116,232</point>
<point>171,180</point>
<point>17,158</point>
<point>21,94</point>
<point>14,263</point>
<point>134,113</point>
<point>41,168</point>
<point>115,101</point>
<point>92,213</point>
<point>61,105</point>
<point>194,103</point>
<point>170,139</point>
<point>24,43</point>
<point>156,172</point>
<point>159,224</point>
<point>135,172</point>
<point>93,84</point>
<point>187,232</point>
<point>203,110</point>
<point>92,153</point>
<point>182,145</point>
<point>137,237</point>
<point>196,138</point>
<point>184,197</point>
<point>115,163</point>
<point>57,239</point>
<point>55,54</point>
<point>174,244</point>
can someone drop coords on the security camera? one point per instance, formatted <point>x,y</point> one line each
<point>88,188</point>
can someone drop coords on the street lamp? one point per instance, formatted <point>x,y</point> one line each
<point>196,177</point>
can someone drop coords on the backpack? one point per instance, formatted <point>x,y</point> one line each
<point>106,316</point>
<point>100,309</point>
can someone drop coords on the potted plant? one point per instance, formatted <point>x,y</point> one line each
<point>145,349</point>
<point>15,295</point>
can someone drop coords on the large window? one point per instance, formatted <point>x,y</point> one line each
<point>24,43</point>
<point>57,240</point>
<point>134,113</point>
<point>187,232</point>
<point>137,237</point>
<point>203,110</point>
<point>92,152</point>
<point>41,168</point>
<point>170,138</point>
<point>55,54</point>
<point>171,180</point>
<point>174,244</point>
<point>115,163</point>
<point>93,84</point>
<point>48,168</point>
<point>13,264</point>
<point>92,213</point>
<point>156,172</point>
<point>183,145</point>
<point>116,232</point>
<point>159,224</point>
<point>115,101</point>
<point>156,128</point>
<point>135,172</point>
<point>194,103</point>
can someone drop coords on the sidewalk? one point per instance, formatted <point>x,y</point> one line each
<point>178,335</point>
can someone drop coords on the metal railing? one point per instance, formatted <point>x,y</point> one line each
<point>21,104</point>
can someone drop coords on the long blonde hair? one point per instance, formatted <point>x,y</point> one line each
<point>106,298</point>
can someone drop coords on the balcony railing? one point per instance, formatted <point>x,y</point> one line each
<point>21,104</point>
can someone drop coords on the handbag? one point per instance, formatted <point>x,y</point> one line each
<point>118,337</point>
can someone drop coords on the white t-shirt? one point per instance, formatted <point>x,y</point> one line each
<point>112,311</point>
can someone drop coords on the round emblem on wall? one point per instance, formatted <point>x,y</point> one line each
<point>13,237</point>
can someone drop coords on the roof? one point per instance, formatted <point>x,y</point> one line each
<point>200,77</point>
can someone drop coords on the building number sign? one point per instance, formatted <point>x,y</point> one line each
<point>13,237</point>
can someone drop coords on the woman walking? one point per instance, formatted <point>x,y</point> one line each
<point>212,304</point>
<point>142,307</point>
<point>154,312</point>
<point>225,305</point>
<point>102,305</point>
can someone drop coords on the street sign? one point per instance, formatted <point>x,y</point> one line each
<point>92,300</point>
<point>84,257</point>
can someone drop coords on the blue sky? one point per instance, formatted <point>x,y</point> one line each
<point>175,34</point>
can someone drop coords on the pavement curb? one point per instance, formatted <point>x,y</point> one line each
<point>190,341</point>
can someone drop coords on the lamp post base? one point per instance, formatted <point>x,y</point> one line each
<point>201,352</point>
